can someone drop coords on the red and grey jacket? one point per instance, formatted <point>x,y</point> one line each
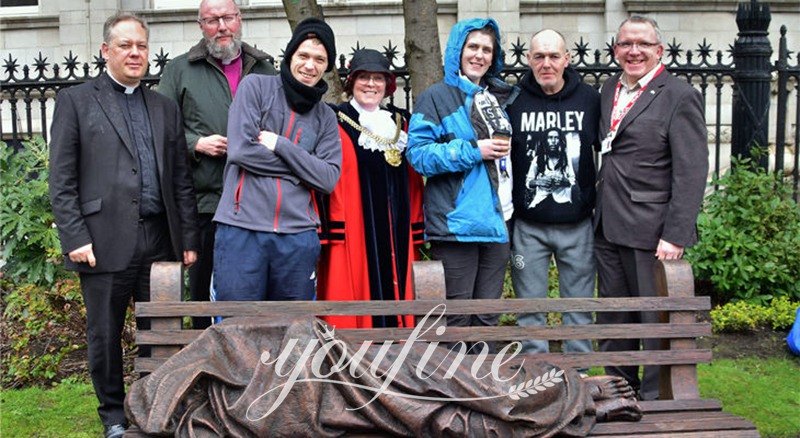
<point>271,191</point>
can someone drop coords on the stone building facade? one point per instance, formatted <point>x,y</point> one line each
<point>56,28</point>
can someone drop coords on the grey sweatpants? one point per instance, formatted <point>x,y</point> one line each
<point>532,247</point>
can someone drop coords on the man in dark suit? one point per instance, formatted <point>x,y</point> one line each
<point>652,178</point>
<point>122,196</point>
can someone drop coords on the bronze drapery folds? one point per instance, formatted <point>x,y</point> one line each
<point>293,377</point>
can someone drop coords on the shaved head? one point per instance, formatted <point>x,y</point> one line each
<point>550,36</point>
<point>547,58</point>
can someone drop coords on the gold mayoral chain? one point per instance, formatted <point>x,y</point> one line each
<point>390,154</point>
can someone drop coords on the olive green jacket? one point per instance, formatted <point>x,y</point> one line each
<point>195,80</point>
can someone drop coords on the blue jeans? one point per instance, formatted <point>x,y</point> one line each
<point>260,266</point>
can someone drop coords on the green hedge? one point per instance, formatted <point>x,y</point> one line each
<point>742,316</point>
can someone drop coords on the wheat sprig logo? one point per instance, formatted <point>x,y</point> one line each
<point>535,386</point>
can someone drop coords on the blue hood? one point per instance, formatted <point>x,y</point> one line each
<point>455,42</point>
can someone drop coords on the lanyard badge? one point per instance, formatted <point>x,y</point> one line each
<point>618,113</point>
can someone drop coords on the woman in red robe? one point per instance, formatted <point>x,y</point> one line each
<point>372,223</point>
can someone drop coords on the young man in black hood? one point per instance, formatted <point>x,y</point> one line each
<point>283,144</point>
<point>555,123</point>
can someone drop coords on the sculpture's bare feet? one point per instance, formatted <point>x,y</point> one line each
<point>606,387</point>
<point>618,409</point>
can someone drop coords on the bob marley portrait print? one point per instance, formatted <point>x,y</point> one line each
<point>553,157</point>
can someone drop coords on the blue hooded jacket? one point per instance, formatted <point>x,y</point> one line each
<point>461,201</point>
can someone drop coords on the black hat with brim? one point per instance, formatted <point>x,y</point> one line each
<point>373,61</point>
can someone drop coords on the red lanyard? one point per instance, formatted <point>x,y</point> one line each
<point>617,116</point>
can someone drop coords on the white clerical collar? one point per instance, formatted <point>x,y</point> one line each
<point>641,83</point>
<point>230,61</point>
<point>128,90</point>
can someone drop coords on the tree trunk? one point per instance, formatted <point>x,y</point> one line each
<point>297,11</point>
<point>423,52</point>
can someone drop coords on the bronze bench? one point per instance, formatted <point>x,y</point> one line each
<point>680,412</point>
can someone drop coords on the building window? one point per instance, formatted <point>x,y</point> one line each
<point>176,4</point>
<point>19,7</point>
<point>15,3</point>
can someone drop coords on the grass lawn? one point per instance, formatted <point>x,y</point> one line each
<point>68,410</point>
<point>765,391</point>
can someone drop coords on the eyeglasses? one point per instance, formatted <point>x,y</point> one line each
<point>214,21</point>
<point>377,78</point>
<point>644,45</point>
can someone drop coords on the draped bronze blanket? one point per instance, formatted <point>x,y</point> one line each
<point>290,377</point>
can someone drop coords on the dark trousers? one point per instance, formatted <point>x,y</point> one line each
<point>260,266</point>
<point>106,297</point>
<point>200,272</point>
<point>628,272</point>
<point>472,270</point>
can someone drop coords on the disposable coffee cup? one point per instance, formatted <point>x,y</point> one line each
<point>501,134</point>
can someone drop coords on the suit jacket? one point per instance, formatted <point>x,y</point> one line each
<point>95,185</point>
<point>651,183</point>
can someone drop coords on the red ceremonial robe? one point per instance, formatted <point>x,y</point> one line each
<point>371,226</point>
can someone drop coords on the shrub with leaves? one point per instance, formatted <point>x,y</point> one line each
<point>43,313</point>
<point>781,313</point>
<point>749,245</point>
<point>742,316</point>
<point>40,328</point>
<point>30,246</point>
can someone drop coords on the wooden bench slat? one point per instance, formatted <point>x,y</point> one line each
<point>743,433</point>
<point>566,360</point>
<point>166,337</point>
<point>620,358</point>
<point>558,333</point>
<point>688,421</point>
<point>681,417</point>
<point>147,364</point>
<point>695,404</point>
<point>419,307</point>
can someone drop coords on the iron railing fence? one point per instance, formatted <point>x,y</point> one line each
<point>29,91</point>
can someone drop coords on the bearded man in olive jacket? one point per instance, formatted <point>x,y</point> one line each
<point>204,81</point>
